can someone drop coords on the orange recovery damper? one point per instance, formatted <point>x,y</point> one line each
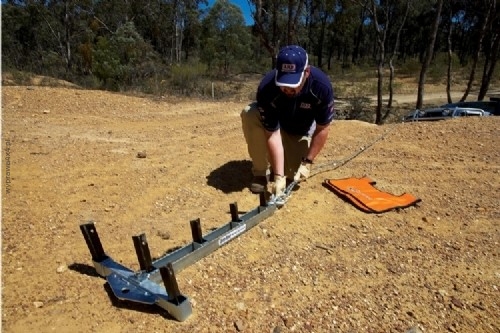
<point>362,193</point>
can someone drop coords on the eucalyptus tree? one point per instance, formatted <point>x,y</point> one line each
<point>71,17</point>
<point>415,35</point>
<point>485,17</point>
<point>399,17</point>
<point>295,13</point>
<point>186,15</point>
<point>124,59</point>
<point>428,54</point>
<point>266,24</point>
<point>154,21</point>
<point>225,39</point>
<point>492,50</point>
<point>112,14</point>
<point>381,36</point>
<point>450,9</point>
<point>343,31</point>
<point>20,35</point>
<point>171,26</point>
<point>360,36</point>
<point>279,22</point>
<point>320,14</point>
<point>388,18</point>
<point>452,25</point>
<point>31,36</point>
<point>191,23</point>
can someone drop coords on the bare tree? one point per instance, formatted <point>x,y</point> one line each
<point>489,66</point>
<point>64,41</point>
<point>428,56</point>
<point>394,52</point>
<point>482,33</point>
<point>263,18</point>
<point>267,23</point>
<point>381,36</point>
<point>67,34</point>
<point>450,57</point>
<point>492,53</point>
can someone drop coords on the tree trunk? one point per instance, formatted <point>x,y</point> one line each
<point>448,74</point>
<point>358,39</point>
<point>489,68</point>
<point>293,20</point>
<point>381,37</point>
<point>266,39</point>
<point>67,31</point>
<point>482,33</point>
<point>289,34</point>
<point>428,57</point>
<point>394,52</point>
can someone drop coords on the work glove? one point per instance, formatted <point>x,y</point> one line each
<point>279,185</point>
<point>303,172</point>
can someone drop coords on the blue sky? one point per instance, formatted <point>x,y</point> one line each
<point>243,4</point>
<point>245,9</point>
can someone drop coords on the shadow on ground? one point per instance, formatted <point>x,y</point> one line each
<point>233,176</point>
<point>121,304</point>
<point>84,269</point>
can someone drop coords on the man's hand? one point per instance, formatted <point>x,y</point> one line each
<point>279,185</point>
<point>303,172</point>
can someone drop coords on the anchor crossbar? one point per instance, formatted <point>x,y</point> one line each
<point>144,286</point>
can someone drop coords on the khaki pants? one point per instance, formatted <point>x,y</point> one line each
<point>295,146</point>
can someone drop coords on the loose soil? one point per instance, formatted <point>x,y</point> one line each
<point>318,264</point>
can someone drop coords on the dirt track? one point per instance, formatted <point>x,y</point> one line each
<point>316,265</point>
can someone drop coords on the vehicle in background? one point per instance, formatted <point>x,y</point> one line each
<point>445,112</point>
<point>492,106</point>
<point>459,109</point>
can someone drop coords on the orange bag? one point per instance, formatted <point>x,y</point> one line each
<point>362,193</point>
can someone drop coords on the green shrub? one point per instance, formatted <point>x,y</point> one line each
<point>410,67</point>
<point>188,79</point>
<point>360,109</point>
<point>88,81</point>
<point>19,77</point>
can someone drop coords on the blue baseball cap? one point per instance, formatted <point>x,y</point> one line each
<point>290,66</point>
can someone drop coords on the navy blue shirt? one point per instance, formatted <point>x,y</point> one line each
<point>298,114</point>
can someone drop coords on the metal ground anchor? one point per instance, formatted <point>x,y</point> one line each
<point>145,286</point>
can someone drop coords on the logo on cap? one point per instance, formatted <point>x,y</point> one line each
<point>288,67</point>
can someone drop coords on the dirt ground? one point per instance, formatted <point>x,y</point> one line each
<point>316,265</point>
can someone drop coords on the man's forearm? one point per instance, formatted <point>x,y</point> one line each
<point>277,155</point>
<point>318,141</point>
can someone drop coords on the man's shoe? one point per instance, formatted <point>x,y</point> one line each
<point>259,184</point>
